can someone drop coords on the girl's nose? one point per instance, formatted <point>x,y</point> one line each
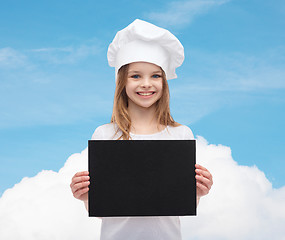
<point>146,82</point>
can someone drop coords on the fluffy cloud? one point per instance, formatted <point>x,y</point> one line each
<point>42,207</point>
<point>241,205</point>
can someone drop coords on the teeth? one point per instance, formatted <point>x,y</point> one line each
<point>145,94</point>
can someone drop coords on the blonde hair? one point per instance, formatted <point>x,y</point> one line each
<point>120,114</point>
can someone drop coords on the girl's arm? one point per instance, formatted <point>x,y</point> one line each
<point>79,187</point>
<point>86,205</point>
<point>204,181</point>
<point>198,200</point>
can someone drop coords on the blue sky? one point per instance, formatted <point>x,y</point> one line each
<point>56,86</point>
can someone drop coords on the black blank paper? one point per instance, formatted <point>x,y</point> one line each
<point>142,178</point>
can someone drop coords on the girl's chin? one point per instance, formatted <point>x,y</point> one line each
<point>142,105</point>
<point>145,105</point>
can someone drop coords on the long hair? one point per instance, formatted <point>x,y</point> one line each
<point>120,114</point>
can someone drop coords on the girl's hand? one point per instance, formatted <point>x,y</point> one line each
<point>79,185</point>
<point>204,181</point>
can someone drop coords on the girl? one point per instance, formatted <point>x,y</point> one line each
<point>145,57</point>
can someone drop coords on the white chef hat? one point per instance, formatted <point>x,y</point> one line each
<point>144,42</point>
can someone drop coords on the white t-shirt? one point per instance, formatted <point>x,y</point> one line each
<point>142,228</point>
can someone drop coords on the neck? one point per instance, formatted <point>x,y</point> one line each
<point>143,120</point>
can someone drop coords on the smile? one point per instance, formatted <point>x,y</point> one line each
<point>145,93</point>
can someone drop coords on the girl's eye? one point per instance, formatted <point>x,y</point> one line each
<point>135,76</point>
<point>156,76</point>
<point>138,76</point>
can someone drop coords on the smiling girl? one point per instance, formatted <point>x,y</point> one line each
<point>145,57</point>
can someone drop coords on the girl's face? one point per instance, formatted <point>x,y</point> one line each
<point>144,84</point>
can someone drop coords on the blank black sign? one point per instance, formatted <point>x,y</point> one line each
<point>142,178</point>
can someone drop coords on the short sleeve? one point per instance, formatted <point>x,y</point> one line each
<point>98,134</point>
<point>188,134</point>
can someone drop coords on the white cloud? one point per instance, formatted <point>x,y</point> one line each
<point>241,205</point>
<point>42,207</point>
<point>67,54</point>
<point>11,58</point>
<point>183,12</point>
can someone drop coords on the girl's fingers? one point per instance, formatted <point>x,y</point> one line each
<point>203,188</point>
<point>205,181</point>
<point>204,173</point>
<point>80,192</point>
<point>80,174</point>
<point>80,185</point>
<point>200,167</point>
<point>79,178</point>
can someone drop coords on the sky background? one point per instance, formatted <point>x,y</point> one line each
<point>56,87</point>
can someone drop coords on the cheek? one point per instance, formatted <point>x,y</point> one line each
<point>160,91</point>
<point>129,89</point>
<point>160,94</point>
<point>127,92</point>
<point>160,88</point>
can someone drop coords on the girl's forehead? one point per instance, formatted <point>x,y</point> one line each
<point>143,66</point>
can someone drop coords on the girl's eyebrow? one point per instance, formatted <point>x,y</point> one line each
<point>159,71</point>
